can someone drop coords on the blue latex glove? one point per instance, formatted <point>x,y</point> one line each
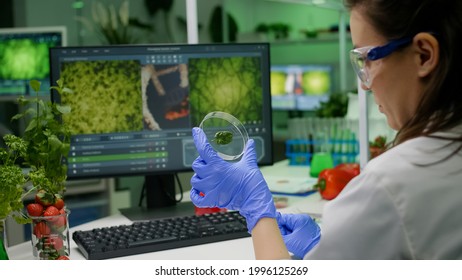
<point>231,185</point>
<point>299,231</point>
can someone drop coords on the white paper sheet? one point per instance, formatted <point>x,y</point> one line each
<point>290,185</point>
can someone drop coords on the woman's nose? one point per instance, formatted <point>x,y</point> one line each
<point>364,87</point>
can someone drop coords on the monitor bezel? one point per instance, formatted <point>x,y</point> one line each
<point>38,29</point>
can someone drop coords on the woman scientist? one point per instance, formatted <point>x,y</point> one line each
<point>406,203</point>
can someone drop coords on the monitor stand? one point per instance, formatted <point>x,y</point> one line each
<point>160,200</point>
<point>144,213</point>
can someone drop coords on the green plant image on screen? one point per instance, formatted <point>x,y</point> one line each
<point>278,83</point>
<point>23,59</point>
<point>316,82</point>
<point>231,85</point>
<point>107,96</point>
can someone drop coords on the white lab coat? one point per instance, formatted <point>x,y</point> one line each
<point>396,209</point>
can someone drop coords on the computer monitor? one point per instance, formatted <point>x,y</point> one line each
<point>300,87</point>
<point>134,106</point>
<point>24,57</point>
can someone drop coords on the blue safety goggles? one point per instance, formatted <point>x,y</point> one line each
<point>360,56</point>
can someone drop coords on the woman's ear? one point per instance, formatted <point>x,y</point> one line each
<point>427,50</point>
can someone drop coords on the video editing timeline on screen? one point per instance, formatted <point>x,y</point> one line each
<point>142,154</point>
<point>134,106</point>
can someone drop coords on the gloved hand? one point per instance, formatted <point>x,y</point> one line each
<point>299,231</point>
<point>231,185</point>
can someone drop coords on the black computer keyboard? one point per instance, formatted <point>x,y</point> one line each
<point>159,234</point>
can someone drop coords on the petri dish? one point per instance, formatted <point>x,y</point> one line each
<point>226,134</point>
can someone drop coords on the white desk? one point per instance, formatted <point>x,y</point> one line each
<point>311,204</point>
<point>238,249</point>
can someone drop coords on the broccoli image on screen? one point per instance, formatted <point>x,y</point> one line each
<point>106,98</point>
<point>231,85</point>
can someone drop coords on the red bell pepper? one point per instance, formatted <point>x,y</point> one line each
<point>331,182</point>
<point>353,168</point>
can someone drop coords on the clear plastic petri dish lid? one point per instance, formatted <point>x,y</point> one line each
<point>226,134</point>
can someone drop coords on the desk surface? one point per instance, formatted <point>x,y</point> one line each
<point>238,249</point>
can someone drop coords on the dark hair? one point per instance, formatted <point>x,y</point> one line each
<point>441,106</point>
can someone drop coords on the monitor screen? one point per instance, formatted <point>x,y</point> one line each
<point>133,106</point>
<point>300,87</point>
<point>24,56</point>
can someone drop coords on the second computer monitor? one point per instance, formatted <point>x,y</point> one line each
<point>300,87</point>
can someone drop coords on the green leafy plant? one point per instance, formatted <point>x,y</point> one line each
<point>262,28</point>
<point>12,179</point>
<point>112,25</point>
<point>280,30</point>
<point>36,156</point>
<point>335,106</point>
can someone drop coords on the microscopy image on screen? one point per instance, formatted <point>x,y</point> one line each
<point>107,96</point>
<point>316,82</point>
<point>231,85</point>
<point>23,59</point>
<point>278,83</point>
<point>165,96</point>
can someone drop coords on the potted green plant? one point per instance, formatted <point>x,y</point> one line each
<point>36,157</point>
<point>280,30</point>
<point>336,106</point>
<point>12,182</point>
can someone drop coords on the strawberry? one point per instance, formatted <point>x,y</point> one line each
<point>34,209</point>
<point>61,258</point>
<point>59,202</point>
<point>41,229</point>
<point>44,198</point>
<point>55,242</point>
<point>51,211</point>
<point>60,223</point>
<point>352,168</point>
